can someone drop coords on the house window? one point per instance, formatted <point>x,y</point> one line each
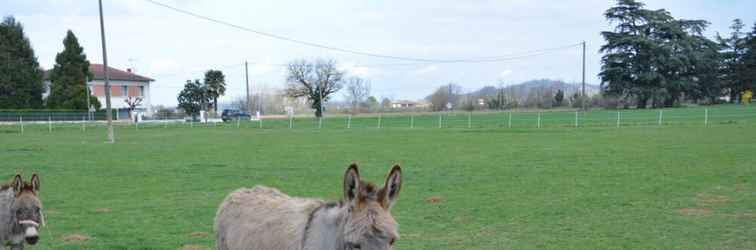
<point>125,91</point>
<point>141,90</point>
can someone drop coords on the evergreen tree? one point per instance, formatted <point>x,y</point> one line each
<point>628,68</point>
<point>69,76</point>
<point>20,75</point>
<point>559,98</point>
<point>651,56</point>
<point>746,70</point>
<point>193,98</point>
<point>732,53</point>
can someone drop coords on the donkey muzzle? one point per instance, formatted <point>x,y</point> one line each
<point>31,235</point>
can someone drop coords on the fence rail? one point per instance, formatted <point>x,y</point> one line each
<point>470,120</point>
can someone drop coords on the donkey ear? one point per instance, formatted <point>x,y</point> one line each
<point>392,187</point>
<point>18,184</point>
<point>35,182</point>
<point>351,183</point>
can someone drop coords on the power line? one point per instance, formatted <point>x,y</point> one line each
<point>349,51</point>
<point>274,36</point>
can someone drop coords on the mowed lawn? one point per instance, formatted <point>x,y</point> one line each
<point>682,187</point>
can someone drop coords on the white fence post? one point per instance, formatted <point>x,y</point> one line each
<point>618,119</point>
<point>661,114</point>
<point>539,119</point>
<point>469,120</point>
<point>320,122</point>
<point>576,118</point>
<point>509,122</point>
<point>49,124</point>
<point>706,117</point>
<point>191,123</point>
<point>259,120</point>
<point>165,122</point>
<point>291,121</point>
<point>83,124</point>
<point>238,122</point>
<point>379,120</point>
<point>349,121</point>
<point>439,120</point>
<point>412,121</point>
<point>21,120</point>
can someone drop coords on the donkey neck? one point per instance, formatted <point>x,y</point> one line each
<point>324,229</point>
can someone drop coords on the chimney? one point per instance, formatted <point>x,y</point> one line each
<point>128,70</point>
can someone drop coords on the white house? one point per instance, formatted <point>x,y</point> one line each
<point>123,84</point>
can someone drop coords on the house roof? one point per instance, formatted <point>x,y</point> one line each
<point>98,71</point>
<point>403,102</point>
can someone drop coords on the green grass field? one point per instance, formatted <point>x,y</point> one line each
<point>642,186</point>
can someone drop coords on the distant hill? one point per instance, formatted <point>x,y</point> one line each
<point>523,89</point>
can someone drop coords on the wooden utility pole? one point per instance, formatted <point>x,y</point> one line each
<point>109,114</point>
<point>582,100</point>
<point>246,80</point>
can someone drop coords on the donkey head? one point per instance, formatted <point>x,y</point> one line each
<point>369,224</point>
<point>25,209</point>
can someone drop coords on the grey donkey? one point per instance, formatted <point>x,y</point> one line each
<point>20,213</point>
<point>263,218</point>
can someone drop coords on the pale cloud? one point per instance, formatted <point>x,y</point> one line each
<point>505,73</point>
<point>164,65</point>
<point>355,70</point>
<point>261,69</point>
<point>426,69</point>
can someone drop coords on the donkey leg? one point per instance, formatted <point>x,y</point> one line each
<point>17,246</point>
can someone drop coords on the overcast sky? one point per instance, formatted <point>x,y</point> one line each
<point>172,47</point>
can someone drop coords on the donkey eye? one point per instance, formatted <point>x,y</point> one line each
<point>392,242</point>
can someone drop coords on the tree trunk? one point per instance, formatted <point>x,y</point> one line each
<point>318,114</point>
<point>642,101</point>
<point>215,104</point>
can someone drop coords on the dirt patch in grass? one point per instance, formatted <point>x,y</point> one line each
<point>76,238</point>
<point>708,199</point>
<point>194,247</point>
<point>198,234</point>
<point>434,200</point>
<point>740,187</point>
<point>694,211</point>
<point>103,210</point>
<point>743,215</point>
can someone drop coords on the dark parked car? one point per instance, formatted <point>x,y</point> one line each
<point>233,114</point>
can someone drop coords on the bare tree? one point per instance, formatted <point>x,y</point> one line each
<point>133,102</point>
<point>444,95</point>
<point>316,81</point>
<point>357,91</point>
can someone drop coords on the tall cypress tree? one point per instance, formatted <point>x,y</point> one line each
<point>732,54</point>
<point>746,70</point>
<point>69,76</point>
<point>20,76</point>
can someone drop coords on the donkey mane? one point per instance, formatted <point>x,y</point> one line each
<point>368,192</point>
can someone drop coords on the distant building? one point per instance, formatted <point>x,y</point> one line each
<point>123,84</point>
<point>481,102</point>
<point>405,104</point>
